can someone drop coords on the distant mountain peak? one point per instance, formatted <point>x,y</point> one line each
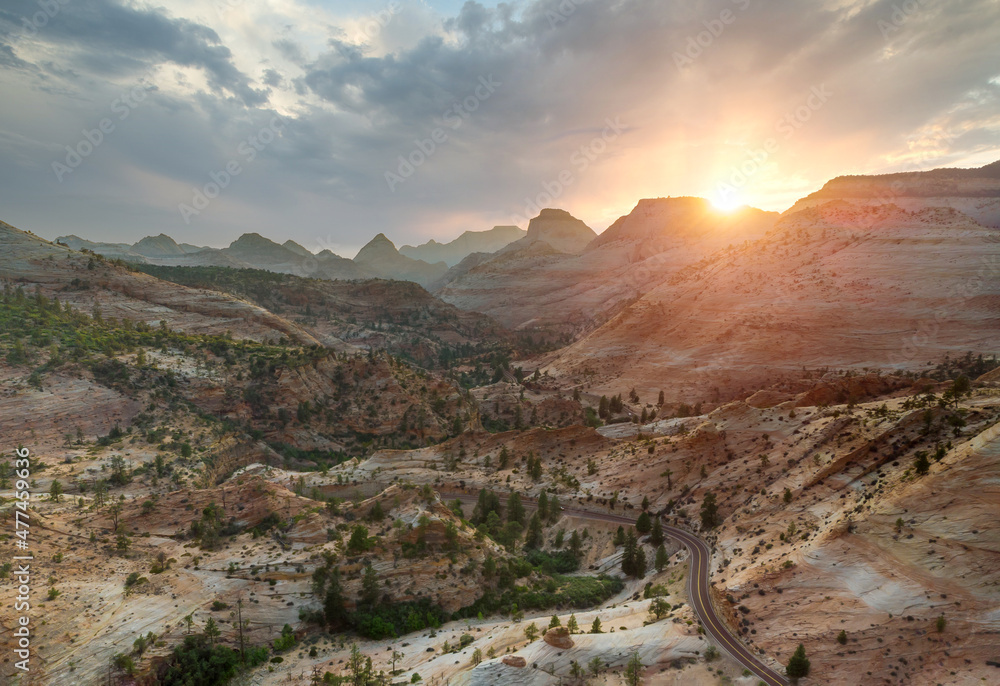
<point>468,243</point>
<point>559,229</point>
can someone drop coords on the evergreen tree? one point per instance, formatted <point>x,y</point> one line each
<point>334,611</point>
<point>629,556</point>
<point>660,401</point>
<point>369,587</point>
<point>656,535</point>
<point>645,503</point>
<point>488,502</point>
<point>602,407</point>
<point>504,458</point>
<point>212,631</point>
<point>709,511</point>
<point>798,664</point>
<point>555,510</point>
<point>661,559</point>
<point>543,505</point>
<point>572,624</point>
<point>574,544</point>
<point>633,671</point>
<point>643,525</point>
<point>534,538</point>
<point>515,510</point>
<point>595,628</point>
<point>922,465</point>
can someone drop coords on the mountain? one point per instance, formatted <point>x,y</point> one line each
<point>158,246</point>
<point>262,253</point>
<point>559,229</point>
<point>381,257</point>
<point>839,284</point>
<point>469,242</point>
<point>112,250</point>
<point>533,283</point>
<point>296,248</point>
<point>84,282</point>
<point>974,192</point>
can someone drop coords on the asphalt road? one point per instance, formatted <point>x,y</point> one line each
<point>698,587</point>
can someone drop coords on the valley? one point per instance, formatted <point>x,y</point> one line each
<point>668,453</point>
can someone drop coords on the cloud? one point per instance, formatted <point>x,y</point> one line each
<point>697,87</point>
<point>109,39</point>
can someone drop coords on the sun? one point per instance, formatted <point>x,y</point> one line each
<point>726,201</point>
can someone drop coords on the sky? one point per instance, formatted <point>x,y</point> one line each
<point>328,122</point>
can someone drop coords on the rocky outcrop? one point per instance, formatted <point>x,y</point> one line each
<point>558,638</point>
<point>515,661</point>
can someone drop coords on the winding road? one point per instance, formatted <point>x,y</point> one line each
<point>698,586</point>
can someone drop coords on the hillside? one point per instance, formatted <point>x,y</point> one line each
<point>973,192</point>
<point>469,242</point>
<point>532,284</point>
<point>836,285</point>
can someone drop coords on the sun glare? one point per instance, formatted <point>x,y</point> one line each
<point>726,202</point>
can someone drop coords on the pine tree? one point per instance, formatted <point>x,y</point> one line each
<point>555,510</point>
<point>922,465</point>
<point>212,631</point>
<point>619,538</point>
<point>798,664</point>
<point>842,637</point>
<point>334,611</point>
<point>643,525</point>
<point>543,505</point>
<point>661,559</point>
<point>633,671</point>
<point>709,511</point>
<point>369,587</point>
<point>645,503</point>
<point>515,510</point>
<point>656,535</point>
<point>602,407</point>
<point>534,538</point>
<point>574,544</point>
<point>504,458</point>
<point>595,628</point>
<point>572,624</point>
<point>661,400</point>
<point>629,554</point>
